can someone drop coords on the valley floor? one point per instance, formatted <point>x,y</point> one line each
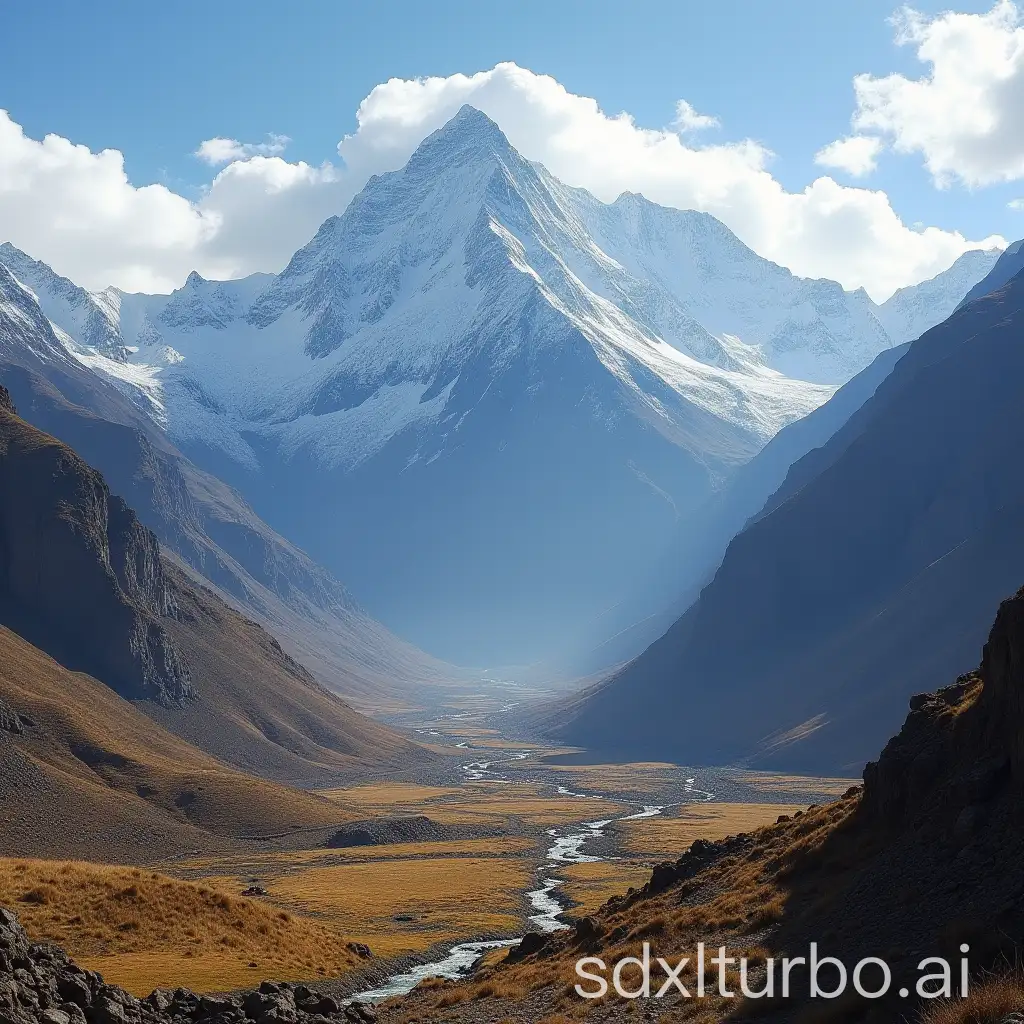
<point>507,819</point>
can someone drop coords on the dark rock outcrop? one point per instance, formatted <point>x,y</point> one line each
<point>961,747</point>
<point>415,828</point>
<point>40,984</point>
<point>10,720</point>
<point>80,577</point>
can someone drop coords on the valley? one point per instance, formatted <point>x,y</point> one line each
<point>529,844</point>
<point>517,574</point>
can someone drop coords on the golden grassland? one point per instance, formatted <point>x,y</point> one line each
<point>399,797</point>
<point>996,1000</point>
<point>244,867</point>
<point>361,891</point>
<point>671,836</point>
<point>473,804</point>
<point>434,899</point>
<point>142,929</point>
<point>590,886</point>
<point>770,782</point>
<point>640,777</point>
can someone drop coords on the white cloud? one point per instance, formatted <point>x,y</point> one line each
<point>688,120</point>
<point>78,211</point>
<point>965,115</point>
<point>1016,204</point>
<point>857,154</point>
<point>223,151</point>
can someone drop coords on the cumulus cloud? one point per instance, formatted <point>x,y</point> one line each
<point>1016,204</point>
<point>223,151</point>
<point>965,114</point>
<point>77,210</point>
<point>688,120</point>
<point>857,154</point>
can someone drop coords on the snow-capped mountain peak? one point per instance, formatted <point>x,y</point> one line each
<point>477,380</point>
<point>91,318</point>
<point>909,312</point>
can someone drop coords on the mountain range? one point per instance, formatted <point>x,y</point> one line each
<point>485,400</point>
<point>205,524</point>
<point>868,575</point>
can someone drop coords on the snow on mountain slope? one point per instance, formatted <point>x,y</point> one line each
<point>483,398</point>
<point>759,312</point>
<point>909,312</point>
<point>90,318</point>
<point>201,521</point>
<point>362,333</point>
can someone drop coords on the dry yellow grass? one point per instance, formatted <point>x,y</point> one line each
<point>472,804</point>
<point>670,837</point>
<point>592,885</point>
<point>502,846</point>
<point>990,1003</point>
<point>396,796</point>
<point>241,867</point>
<point>434,898</point>
<point>142,929</point>
<point>770,782</point>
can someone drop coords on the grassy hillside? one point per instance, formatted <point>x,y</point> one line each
<point>91,775</point>
<point>144,930</point>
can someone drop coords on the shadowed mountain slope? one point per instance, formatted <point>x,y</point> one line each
<point>81,579</point>
<point>205,523</point>
<point>867,577</point>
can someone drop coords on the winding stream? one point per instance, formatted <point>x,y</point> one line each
<point>566,848</point>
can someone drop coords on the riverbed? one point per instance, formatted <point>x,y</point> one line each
<point>567,846</point>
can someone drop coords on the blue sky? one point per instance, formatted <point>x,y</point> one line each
<point>153,80</point>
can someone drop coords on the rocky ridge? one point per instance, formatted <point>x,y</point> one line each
<point>79,574</point>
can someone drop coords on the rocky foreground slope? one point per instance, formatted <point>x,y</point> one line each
<point>40,983</point>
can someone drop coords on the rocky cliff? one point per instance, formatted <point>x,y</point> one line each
<point>961,748</point>
<point>80,577</point>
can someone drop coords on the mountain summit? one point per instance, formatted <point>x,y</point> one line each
<point>486,399</point>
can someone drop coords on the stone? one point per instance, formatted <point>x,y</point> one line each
<point>966,824</point>
<point>108,1011</point>
<point>74,989</point>
<point>160,999</point>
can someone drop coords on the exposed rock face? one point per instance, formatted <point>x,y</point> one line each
<point>10,720</point>
<point>39,983</point>
<point>80,577</point>
<point>414,828</point>
<point>960,747</point>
